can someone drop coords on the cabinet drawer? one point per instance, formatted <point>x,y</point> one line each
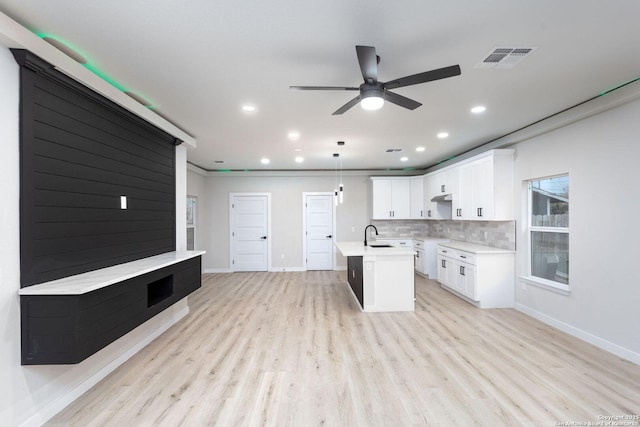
<point>451,253</point>
<point>403,243</point>
<point>466,257</point>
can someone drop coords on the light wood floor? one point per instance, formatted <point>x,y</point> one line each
<point>293,349</point>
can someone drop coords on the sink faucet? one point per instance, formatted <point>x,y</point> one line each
<point>365,232</point>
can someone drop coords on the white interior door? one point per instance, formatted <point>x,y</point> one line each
<point>319,231</point>
<point>250,232</point>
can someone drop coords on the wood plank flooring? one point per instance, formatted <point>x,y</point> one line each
<point>293,349</point>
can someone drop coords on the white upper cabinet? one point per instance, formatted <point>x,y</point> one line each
<point>478,189</point>
<point>432,188</point>
<point>485,191</point>
<point>447,181</point>
<point>481,188</point>
<point>391,198</point>
<point>416,201</point>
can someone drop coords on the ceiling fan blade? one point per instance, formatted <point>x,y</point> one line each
<point>322,88</point>
<point>401,100</point>
<point>368,63</point>
<point>347,106</point>
<point>427,76</point>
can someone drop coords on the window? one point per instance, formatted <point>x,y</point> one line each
<point>549,232</point>
<point>191,223</point>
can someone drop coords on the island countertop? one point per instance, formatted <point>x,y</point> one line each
<point>359,249</point>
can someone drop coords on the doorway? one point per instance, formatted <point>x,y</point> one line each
<point>250,229</point>
<point>319,230</point>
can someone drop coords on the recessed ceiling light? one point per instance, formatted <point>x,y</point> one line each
<point>293,135</point>
<point>404,159</point>
<point>299,159</point>
<point>420,149</point>
<point>478,109</point>
<point>248,108</point>
<point>264,161</point>
<point>442,135</point>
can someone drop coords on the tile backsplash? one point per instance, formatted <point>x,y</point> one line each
<point>498,234</point>
<point>400,228</point>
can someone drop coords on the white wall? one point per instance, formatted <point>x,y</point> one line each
<point>29,395</point>
<point>601,154</point>
<point>286,204</point>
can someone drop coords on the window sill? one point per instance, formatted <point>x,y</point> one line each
<point>549,285</point>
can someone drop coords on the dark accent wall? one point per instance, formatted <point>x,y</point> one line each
<point>79,153</point>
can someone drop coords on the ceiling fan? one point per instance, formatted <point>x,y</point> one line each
<point>373,93</point>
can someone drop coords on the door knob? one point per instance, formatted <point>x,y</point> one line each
<point>329,236</point>
<point>264,237</point>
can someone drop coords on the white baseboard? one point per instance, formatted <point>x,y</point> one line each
<point>226,270</point>
<point>52,408</point>
<point>217,270</point>
<point>280,269</point>
<point>616,349</point>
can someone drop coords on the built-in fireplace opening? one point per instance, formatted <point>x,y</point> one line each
<point>159,290</point>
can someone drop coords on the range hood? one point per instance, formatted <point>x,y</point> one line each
<point>443,198</point>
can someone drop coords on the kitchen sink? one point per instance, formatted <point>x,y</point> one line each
<point>381,245</point>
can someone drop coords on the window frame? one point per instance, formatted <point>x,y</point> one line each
<point>192,224</point>
<point>529,278</point>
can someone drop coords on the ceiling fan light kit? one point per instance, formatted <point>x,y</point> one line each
<point>371,99</point>
<point>374,93</point>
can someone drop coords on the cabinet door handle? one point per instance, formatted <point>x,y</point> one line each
<point>421,214</point>
<point>442,188</point>
<point>444,263</point>
<point>458,212</point>
<point>429,213</point>
<point>329,236</point>
<point>479,211</point>
<point>463,256</point>
<point>264,237</point>
<point>462,270</point>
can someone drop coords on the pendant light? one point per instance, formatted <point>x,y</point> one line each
<point>336,197</point>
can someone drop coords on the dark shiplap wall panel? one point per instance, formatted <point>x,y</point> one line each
<point>79,154</point>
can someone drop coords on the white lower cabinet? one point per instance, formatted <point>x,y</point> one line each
<point>426,255</point>
<point>481,275</point>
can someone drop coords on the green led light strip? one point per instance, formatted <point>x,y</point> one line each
<point>89,65</point>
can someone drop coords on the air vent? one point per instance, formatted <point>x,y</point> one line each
<point>504,57</point>
<point>393,150</point>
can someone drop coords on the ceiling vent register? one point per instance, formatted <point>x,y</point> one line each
<point>504,57</point>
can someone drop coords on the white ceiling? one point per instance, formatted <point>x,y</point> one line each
<point>199,61</point>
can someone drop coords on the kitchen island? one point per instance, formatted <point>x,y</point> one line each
<point>381,278</point>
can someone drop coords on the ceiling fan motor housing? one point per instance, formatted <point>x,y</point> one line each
<point>368,90</point>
